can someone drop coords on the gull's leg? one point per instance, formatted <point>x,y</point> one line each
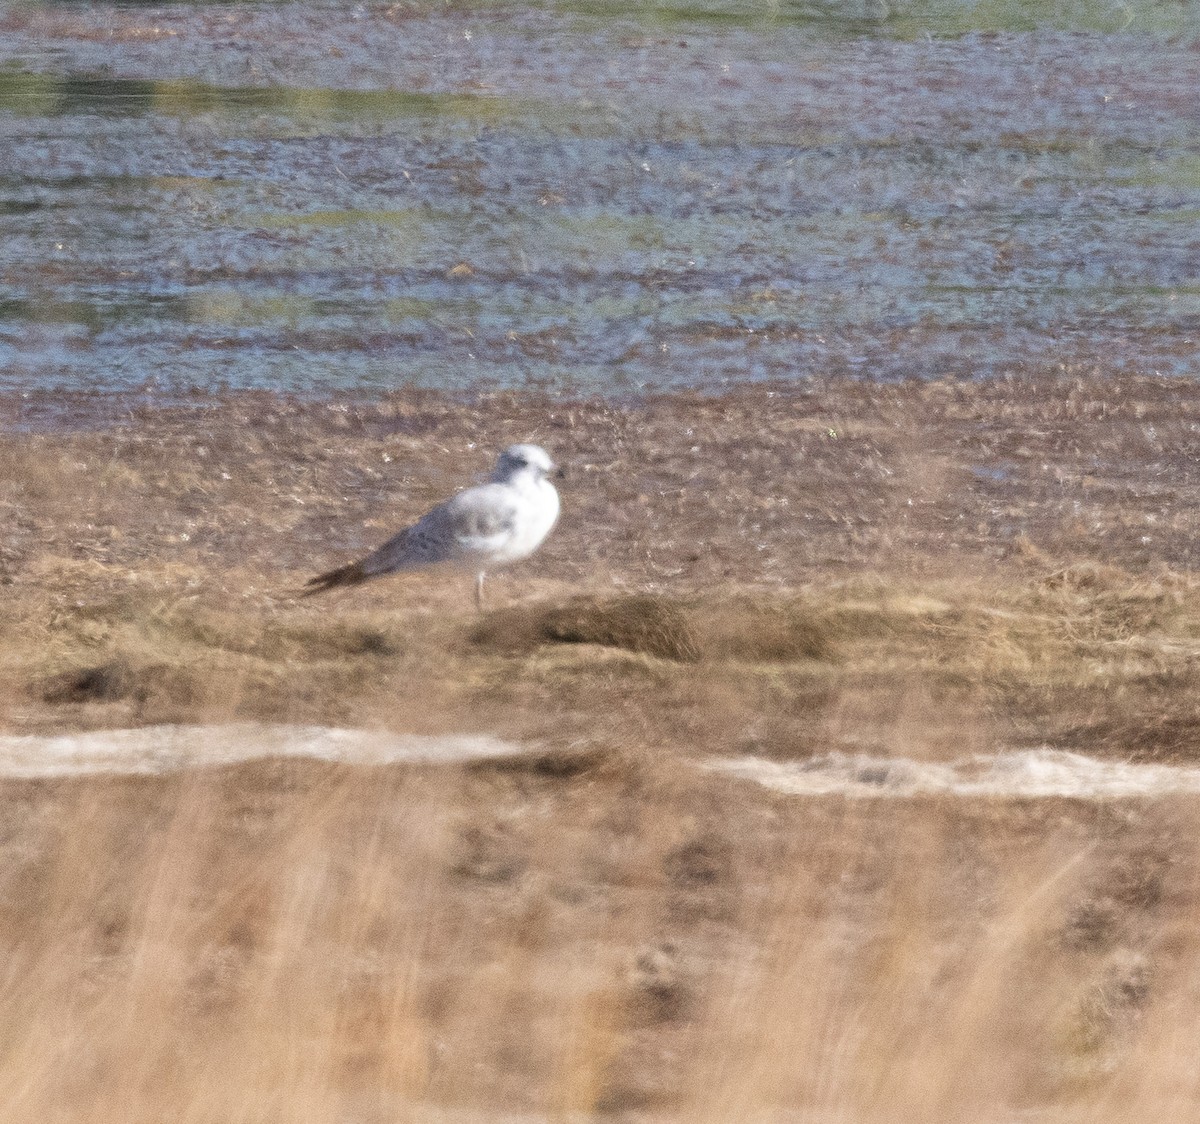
<point>479,591</point>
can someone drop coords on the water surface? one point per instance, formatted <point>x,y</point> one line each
<point>598,196</point>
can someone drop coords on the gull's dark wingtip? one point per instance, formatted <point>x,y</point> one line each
<point>353,574</point>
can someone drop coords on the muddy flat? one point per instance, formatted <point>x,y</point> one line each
<point>1014,550</point>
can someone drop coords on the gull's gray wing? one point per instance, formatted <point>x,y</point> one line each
<point>471,526</point>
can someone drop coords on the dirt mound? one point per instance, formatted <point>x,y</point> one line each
<point>115,681</point>
<point>653,626</point>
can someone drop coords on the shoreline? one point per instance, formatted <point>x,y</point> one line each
<point>59,409</point>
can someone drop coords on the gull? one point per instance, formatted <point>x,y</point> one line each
<point>480,528</point>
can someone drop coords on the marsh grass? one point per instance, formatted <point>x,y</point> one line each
<point>598,929</point>
<point>309,942</point>
<point>1075,656</point>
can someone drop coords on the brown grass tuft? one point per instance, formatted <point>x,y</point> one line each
<point>119,681</point>
<point>650,625</point>
<point>765,630</point>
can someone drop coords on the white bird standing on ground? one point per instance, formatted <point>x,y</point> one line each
<point>481,528</point>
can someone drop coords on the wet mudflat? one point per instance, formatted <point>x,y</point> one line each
<point>600,197</point>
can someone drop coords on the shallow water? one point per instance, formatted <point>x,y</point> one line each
<point>166,749</point>
<point>1040,773</point>
<point>610,196</point>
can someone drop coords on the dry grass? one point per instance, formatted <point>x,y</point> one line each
<point>1079,658</point>
<point>600,930</point>
<point>314,943</point>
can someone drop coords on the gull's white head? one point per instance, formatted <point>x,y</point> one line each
<point>523,460</point>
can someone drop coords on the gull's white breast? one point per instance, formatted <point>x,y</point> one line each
<point>536,513</point>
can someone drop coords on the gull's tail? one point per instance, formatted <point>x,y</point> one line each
<point>353,574</point>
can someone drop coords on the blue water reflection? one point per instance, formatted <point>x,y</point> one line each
<point>601,197</point>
